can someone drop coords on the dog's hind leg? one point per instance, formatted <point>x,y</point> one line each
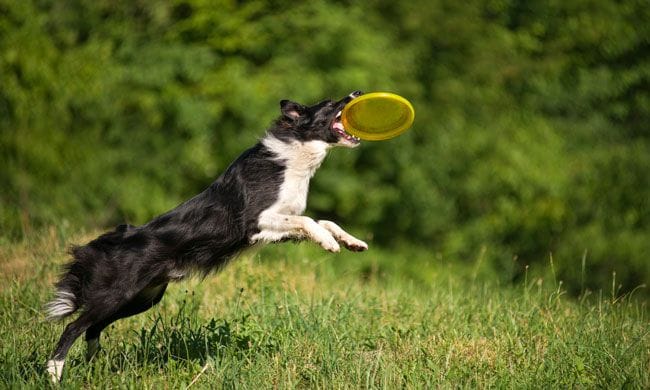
<point>93,322</point>
<point>144,300</point>
<point>70,334</point>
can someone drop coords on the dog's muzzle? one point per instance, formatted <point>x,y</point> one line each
<point>337,125</point>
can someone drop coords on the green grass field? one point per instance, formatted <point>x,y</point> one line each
<point>294,316</point>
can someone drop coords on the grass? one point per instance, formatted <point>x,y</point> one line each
<point>293,316</point>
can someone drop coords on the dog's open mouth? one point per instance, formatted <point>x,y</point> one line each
<point>337,127</point>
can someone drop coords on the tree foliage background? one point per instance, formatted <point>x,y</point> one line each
<point>531,135</point>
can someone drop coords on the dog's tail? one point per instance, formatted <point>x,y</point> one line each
<point>67,298</point>
<point>62,305</point>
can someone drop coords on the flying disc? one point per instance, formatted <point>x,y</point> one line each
<point>377,116</point>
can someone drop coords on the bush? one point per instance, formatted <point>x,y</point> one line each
<point>530,136</point>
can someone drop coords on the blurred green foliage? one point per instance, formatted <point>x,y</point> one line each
<point>531,134</point>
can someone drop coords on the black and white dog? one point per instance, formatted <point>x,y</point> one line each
<point>259,199</point>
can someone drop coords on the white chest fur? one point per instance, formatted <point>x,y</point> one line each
<point>302,159</point>
<point>283,219</point>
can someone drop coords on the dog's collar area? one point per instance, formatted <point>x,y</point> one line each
<point>337,126</point>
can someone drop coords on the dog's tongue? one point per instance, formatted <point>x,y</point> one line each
<point>339,126</point>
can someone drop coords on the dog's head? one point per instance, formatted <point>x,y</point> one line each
<point>320,122</point>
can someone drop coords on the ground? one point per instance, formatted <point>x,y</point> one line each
<point>295,316</point>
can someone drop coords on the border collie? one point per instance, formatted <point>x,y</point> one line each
<point>259,199</point>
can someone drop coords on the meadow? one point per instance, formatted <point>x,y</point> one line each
<point>292,316</point>
<point>514,216</point>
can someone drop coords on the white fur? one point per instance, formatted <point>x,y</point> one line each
<point>302,160</point>
<point>283,219</point>
<point>342,236</point>
<point>55,369</point>
<point>62,305</point>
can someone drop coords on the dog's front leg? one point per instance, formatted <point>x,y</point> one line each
<point>349,241</point>
<point>278,227</point>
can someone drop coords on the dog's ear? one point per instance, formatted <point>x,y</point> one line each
<point>291,110</point>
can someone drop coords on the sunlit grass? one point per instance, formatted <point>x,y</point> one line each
<point>293,316</point>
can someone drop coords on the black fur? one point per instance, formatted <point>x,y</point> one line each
<point>126,271</point>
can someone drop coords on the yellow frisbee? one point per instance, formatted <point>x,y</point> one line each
<point>377,116</point>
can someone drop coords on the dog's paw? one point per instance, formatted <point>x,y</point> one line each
<point>330,244</point>
<point>355,245</point>
<point>349,241</point>
<point>321,236</point>
<point>54,369</point>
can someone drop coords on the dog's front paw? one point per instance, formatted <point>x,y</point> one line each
<point>355,245</point>
<point>349,241</point>
<point>330,244</point>
<point>321,236</point>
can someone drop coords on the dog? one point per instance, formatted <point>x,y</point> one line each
<point>259,199</point>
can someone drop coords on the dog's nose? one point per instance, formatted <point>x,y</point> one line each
<point>355,94</point>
